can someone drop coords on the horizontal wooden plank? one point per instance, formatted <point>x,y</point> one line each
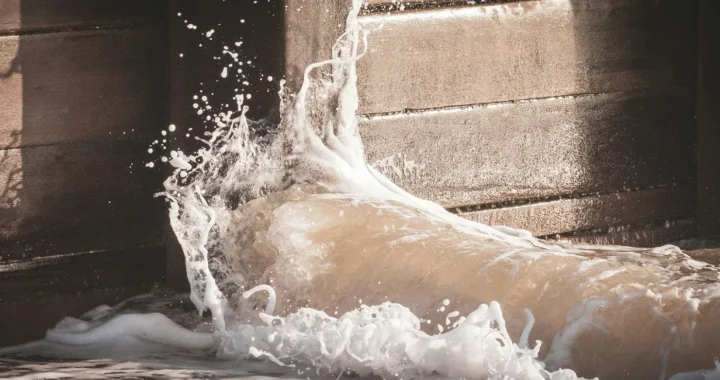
<point>81,272</point>
<point>64,193</point>
<point>490,53</point>
<point>44,15</point>
<point>73,86</point>
<point>593,212</point>
<point>27,320</point>
<point>641,236</point>
<point>521,150</point>
<point>125,231</point>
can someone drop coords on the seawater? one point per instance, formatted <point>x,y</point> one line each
<point>309,263</point>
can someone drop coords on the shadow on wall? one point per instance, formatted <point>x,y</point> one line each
<point>82,88</point>
<point>636,77</point>
<point>10,170</point>
<point>81,91</point>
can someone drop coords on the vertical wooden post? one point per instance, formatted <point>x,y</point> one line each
<point>709,120</point>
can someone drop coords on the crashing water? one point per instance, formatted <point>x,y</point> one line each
<point>291,220</point>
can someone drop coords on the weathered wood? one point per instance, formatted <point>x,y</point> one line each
<point>592,212</point>
<point>49,15</point>
<point>491,53</point>
<point>709,121</point>
<point>70,191</point>
<point>74,86</point>
<point>80,80</point>
<point>533,149</point>
<point>641,236</point>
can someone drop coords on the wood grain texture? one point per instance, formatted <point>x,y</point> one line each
<point>76,86</point>
<point>525,50</point>
<point>593,212</point>
<point>48,15</point>
<point>522,150</point>
<point>67,192</point>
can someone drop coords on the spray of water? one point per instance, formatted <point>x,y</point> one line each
<point>292,210</point>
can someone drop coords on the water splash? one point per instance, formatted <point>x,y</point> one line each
<point>293,207</point>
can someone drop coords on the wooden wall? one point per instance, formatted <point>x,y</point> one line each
<point>82,90</point>
<point>569,118</point>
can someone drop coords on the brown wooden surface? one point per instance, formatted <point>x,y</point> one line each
<point>61,190</point>
<point>83,89</point>
<point>520,101</point>
<point>48,15</point>
<point>709,120</point>
<point>76,86</point>
<point>592,212</point>
<point>491,53</point>
<point>533,149</point>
